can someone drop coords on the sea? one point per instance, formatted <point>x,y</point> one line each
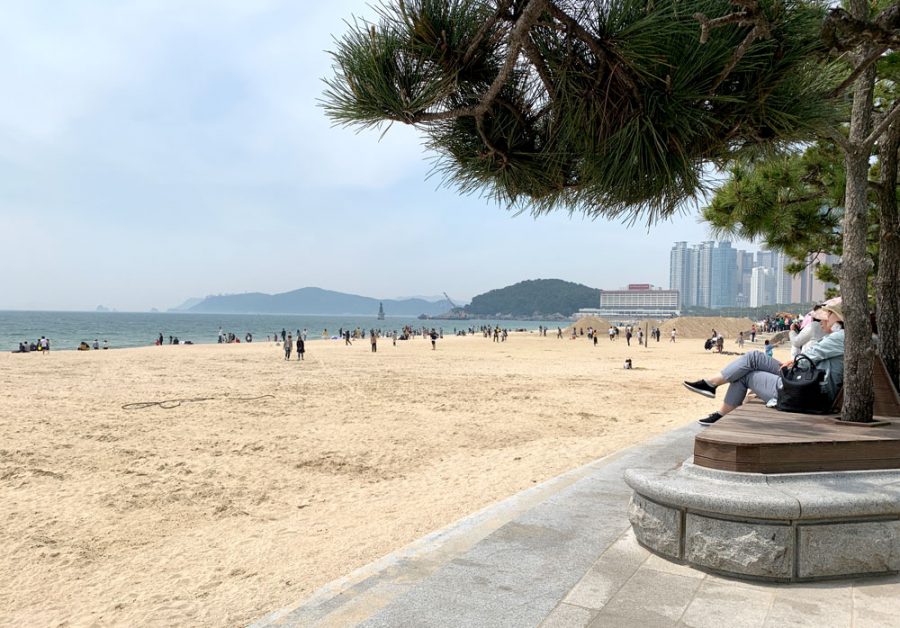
<point>66,330</point>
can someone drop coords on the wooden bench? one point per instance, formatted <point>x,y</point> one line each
<point>757,439</point>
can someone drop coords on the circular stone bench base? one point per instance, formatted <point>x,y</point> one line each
<point>785,527</point>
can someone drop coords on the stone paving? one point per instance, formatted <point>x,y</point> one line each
<point>563,554</point>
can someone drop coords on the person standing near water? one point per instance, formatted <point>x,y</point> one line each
<point>288,343</point>
<point>373,339</point>
<point>434,337</point>
<point>301,347</point>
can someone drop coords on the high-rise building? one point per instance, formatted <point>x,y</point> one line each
<point>705,273</point>
<point>782,280</point>
<point>762,286</point>
<point>680,272</point>
<point>766,259</point>
<point>744,272</point>
<point>724,278</point>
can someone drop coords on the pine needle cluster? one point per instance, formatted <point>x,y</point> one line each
<point>603,107</point>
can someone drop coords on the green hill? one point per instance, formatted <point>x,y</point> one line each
<point>534,298</point>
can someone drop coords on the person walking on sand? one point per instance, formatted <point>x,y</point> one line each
<point>288,343</point>
<point>672,336</point>
<point>373,339</point>
<point>301,347</point>
<point>434,337</point>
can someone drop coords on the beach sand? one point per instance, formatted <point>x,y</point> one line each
<point>220,510</point>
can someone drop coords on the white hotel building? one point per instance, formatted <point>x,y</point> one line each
<point>638,301</point>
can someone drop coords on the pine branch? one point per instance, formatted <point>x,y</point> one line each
<point>843,32</point>
<point>886,121</point>
<point>530,15</point>
<point>859,69</point>
<point>534,56</point>
<point>502,7</point>
<point>749,15</point>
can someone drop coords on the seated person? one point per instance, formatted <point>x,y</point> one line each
<point>761,374</point>
<point>806,333</point>
<point>83,346</point>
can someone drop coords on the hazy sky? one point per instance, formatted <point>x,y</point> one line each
<point>154,151</point>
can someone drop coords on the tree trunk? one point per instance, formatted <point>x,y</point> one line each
<point>855,263</point>
<point>887,282</point>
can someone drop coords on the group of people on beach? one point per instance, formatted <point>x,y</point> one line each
<point>83,346</point>
<point>42,345</point>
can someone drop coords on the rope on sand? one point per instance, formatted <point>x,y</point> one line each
<point>168,404</point>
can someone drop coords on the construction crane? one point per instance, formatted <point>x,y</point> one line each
<point>450,301</point>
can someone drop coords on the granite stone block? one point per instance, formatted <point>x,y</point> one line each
<point>848,548</point>
<point>656,526</point>
<point>750,549</point>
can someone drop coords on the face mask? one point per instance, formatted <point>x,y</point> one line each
<point>837,327</point>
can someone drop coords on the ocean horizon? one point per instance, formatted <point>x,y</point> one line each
<point>67,329</point>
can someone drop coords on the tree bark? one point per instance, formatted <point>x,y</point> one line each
<point>855,264</point>
<point>887,282</point>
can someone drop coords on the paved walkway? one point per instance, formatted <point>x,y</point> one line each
<point>562,554</point>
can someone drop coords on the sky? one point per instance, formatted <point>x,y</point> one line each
<point>152,152</point>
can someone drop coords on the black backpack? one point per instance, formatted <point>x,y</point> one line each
<point>800,389</point>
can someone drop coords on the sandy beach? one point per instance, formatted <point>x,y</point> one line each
<point>282,476</point>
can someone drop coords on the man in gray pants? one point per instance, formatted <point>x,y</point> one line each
<point>758,372</point>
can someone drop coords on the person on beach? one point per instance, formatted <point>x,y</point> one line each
<point>373,339</point>
<point>740,339</point>
<point>671,336</point>
<point>760,373</point>
<point>288,343</point>
<point>753,334</point>
<point>768,348</point>
<point>301,347</point>
<point>434,338</point>
<point>44,344</point>
<point>347,338</point>
<point>105,343</point>
<point>96,345</point>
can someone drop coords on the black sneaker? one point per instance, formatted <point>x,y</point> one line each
<point>709,420</point>
<point>701,388</point>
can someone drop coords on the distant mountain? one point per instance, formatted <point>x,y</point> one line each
<point>184,307</point>
<point>315,301</point>
<point>534,298</point>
